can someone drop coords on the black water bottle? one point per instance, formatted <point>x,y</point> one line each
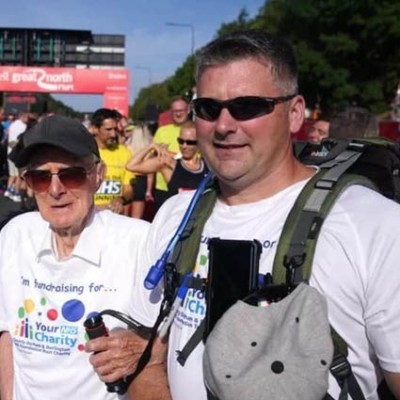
<point>95,328</point>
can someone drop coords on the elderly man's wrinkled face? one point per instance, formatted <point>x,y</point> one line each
<point>64,187</point>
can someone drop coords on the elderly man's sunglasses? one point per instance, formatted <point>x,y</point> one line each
<point>241,108</point>
<point>71,177</point>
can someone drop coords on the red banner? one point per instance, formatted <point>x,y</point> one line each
<point>69,81</point>
<point>63,80</point>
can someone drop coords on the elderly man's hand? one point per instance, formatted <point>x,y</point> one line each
<point>115,356</point>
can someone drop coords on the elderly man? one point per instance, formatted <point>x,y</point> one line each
<point>60,265</point>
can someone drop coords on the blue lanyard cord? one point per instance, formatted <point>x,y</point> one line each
<point>157,271</point>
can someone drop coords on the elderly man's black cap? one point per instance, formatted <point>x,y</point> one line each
<point>62,132</point>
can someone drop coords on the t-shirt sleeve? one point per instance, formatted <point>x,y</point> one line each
<point>146,303</point>
<point>382,313</point>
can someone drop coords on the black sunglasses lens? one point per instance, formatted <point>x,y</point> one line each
<point>241,108</point>
<point>188,142</point>
<point>245,108</point>
<point>207,109</point>
<point>72,177</point>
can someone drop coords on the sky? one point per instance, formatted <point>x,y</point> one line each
<point>155,47</point>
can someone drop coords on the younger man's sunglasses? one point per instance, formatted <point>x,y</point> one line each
<point>241,108</point>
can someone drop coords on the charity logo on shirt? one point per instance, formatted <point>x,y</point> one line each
<point>53,329</point>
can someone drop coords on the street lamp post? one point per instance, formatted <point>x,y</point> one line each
<point>185,26</point>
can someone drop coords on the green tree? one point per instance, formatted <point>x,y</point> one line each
<point>348,51</point>
<point>242,22</point>
<point>183,79</point>
<point>154,95</point>
<point>160,94</point>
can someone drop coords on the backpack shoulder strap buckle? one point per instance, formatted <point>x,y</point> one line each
<point>340,367</point>
<point>343,374</point>
<point>294,271</point>
<point>294,261</point>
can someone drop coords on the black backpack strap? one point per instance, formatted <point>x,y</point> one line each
<point>146,355</point>
<point>210,396</point>
<point>342,372</point>
<point>194,340</point>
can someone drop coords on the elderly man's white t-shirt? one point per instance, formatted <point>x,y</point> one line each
<point>44,302</point>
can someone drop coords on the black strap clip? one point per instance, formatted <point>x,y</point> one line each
<point>340,367</point>
<point>292,263</point>
<point>171,282</point>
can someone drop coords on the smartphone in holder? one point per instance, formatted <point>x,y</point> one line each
<point>232,275</point>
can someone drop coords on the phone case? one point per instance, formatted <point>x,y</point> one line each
<point>232,275</point>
